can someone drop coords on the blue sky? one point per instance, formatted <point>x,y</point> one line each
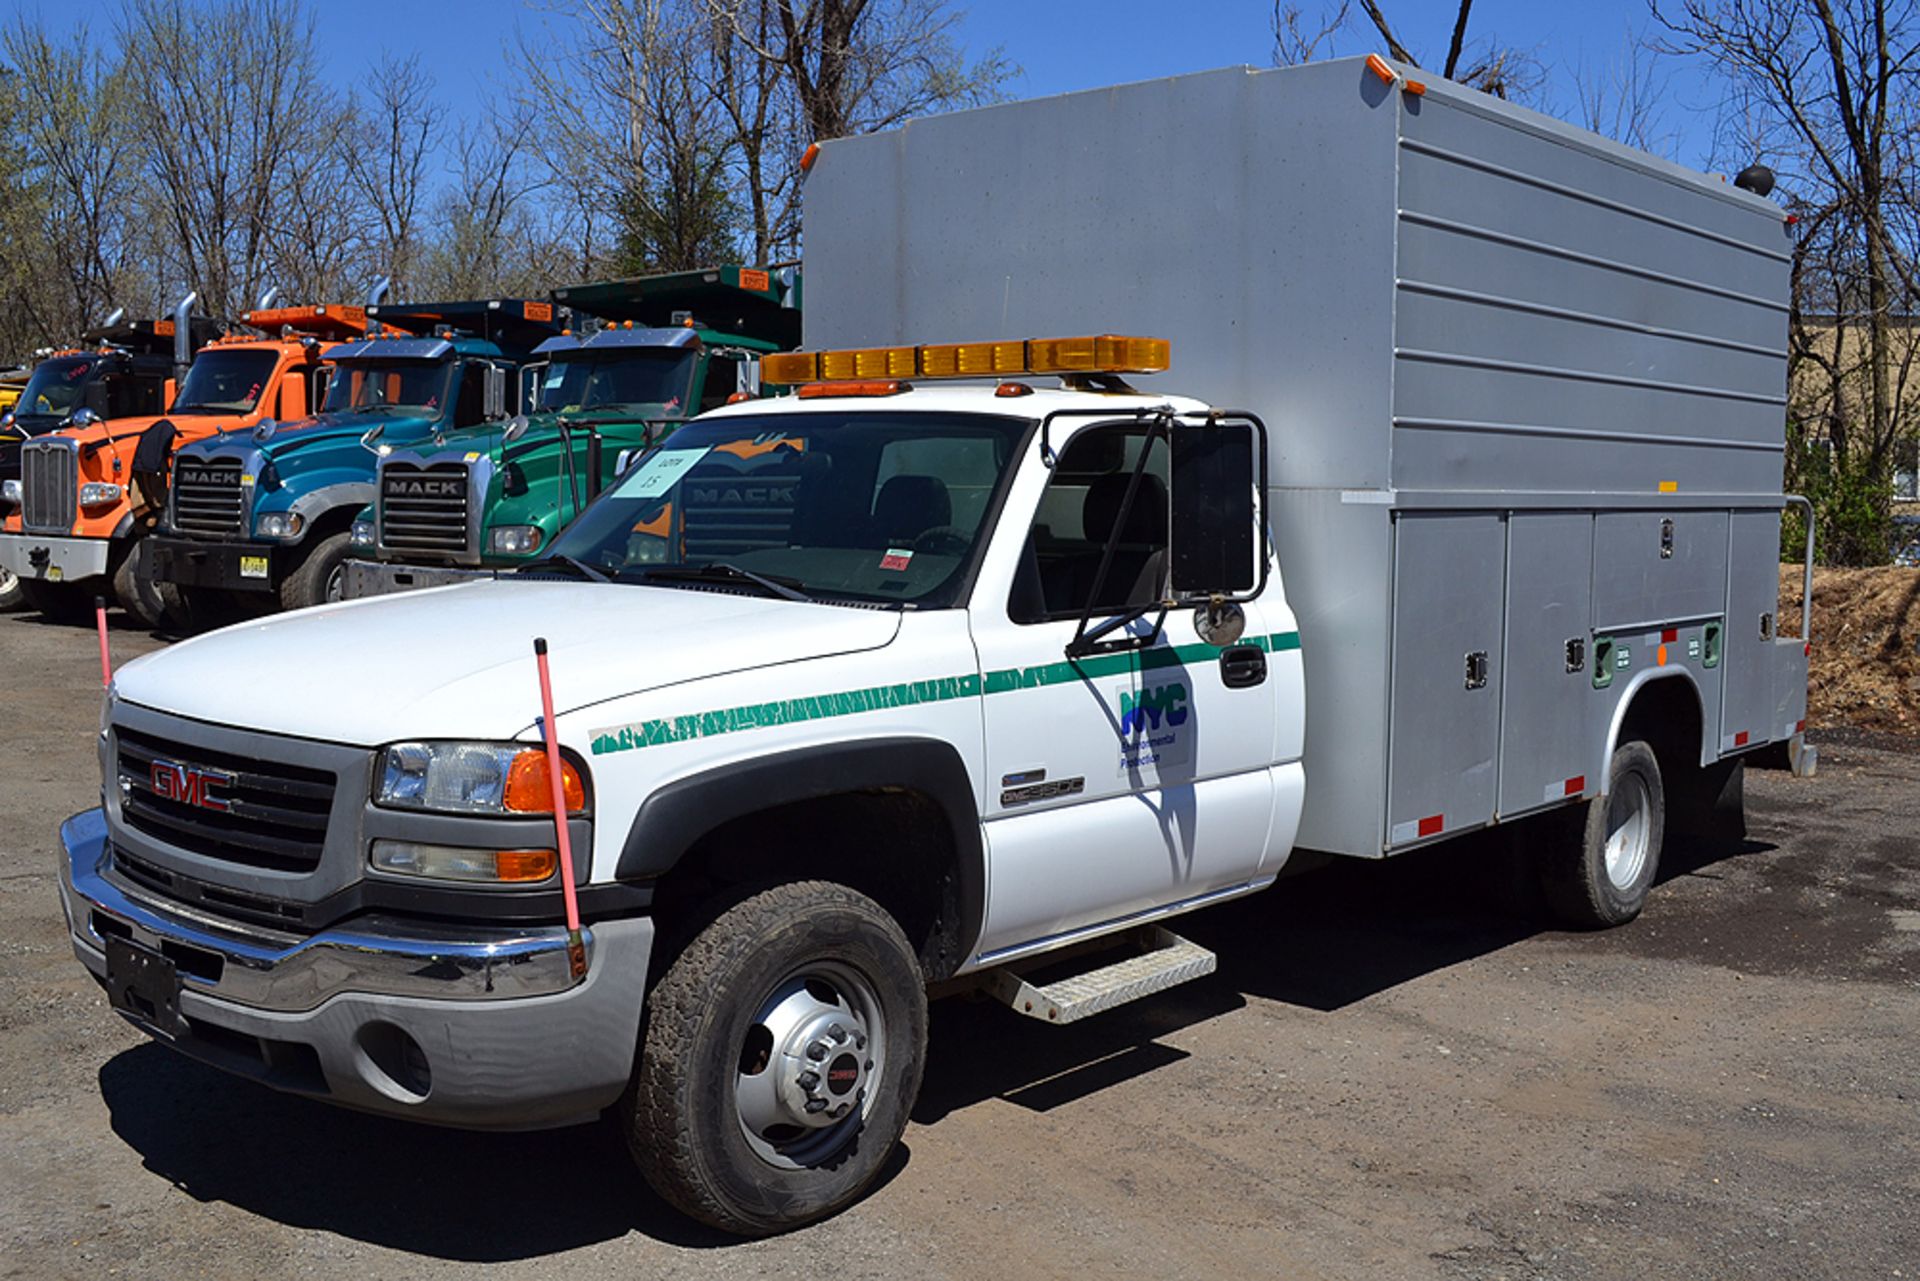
<point>1061,45</point>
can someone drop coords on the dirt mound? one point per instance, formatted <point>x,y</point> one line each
<point>1865,669</point>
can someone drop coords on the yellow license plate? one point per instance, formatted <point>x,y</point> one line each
<point>253,567</point>
<point>55,573</point>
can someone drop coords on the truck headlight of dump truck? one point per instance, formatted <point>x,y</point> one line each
<point>99,494</point>
<point>280,525</point>
<point>10,493</point>
<point>514,540</point>
<point>454,863</point>
<point>474,778</point>
<point>361,535</point>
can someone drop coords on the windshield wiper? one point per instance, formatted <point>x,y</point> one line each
<point>719,571</point>
<point>577,566</point>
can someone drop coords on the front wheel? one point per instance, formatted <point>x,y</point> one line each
<point>1599,872</point>
<point>320,575</point>
<point>139,591</point>
<point>10,593</point>
<point>783,1051</point>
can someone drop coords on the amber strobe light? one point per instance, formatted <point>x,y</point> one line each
<point>1099,354</point>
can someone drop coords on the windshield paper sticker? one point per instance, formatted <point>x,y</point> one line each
<point>662,472</point>
<point>897,559</point>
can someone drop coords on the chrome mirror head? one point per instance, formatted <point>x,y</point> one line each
<point>516,428</point>
<point>1219,623</point>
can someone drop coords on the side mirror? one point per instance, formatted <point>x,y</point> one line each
<point>516,428</point>
<point>264,429</point>
<point>291,396</point>
<point>94,397</point>
<point>373,434</point>
<point>1215,508</point>
<point>83,417</point>
<point>493,394</point>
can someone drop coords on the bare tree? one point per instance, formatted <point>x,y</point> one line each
<point>1625,96</point>
<point>1491,67</point>
<point>389,153</point>
<point>1828,89</point>
<point>226,94</point>
<point>491,240</point>
<point>1298,39</point>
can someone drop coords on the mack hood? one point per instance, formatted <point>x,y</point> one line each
<point>457,662</point>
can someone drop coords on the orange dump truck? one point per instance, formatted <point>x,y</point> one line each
<point>89,494</point>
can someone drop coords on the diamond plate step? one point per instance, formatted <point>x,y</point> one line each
<point>1160,959</point>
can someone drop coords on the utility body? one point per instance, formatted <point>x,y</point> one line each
<point>262,518</point>
<point>973,656</point>
<point>640,357</point>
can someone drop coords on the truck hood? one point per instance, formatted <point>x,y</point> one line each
<point>457,662</point>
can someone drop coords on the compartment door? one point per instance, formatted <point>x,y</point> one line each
<point>1747,707</point>
<point>1545,737</point>
<point>1449,578</point>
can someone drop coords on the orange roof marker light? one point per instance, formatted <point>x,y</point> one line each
<point>1382,68</point>
<point>1099,354</point>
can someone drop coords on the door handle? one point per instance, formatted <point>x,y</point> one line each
<point>1242,666</point>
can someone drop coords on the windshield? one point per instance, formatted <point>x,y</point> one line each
<point>225,382</point>
<point>54,389</point>
<point>863,505</point>
<point>414,386</point>
<point>655,383</point>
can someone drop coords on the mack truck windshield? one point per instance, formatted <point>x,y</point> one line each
<point>1428,485</point>
<point>261,519</point>
<point>66,452</point>
<point>641,357</point>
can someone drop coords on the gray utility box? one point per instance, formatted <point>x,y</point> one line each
<point>1525,386</point>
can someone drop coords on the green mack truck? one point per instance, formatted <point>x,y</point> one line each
<point>261,518</point>
<point>644,355</point>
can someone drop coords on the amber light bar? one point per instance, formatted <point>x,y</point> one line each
<point>1100,354</point>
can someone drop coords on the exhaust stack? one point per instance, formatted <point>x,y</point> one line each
<point>375,296</point>
<point>183,336</point>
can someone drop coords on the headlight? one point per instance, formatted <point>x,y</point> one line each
<point>361,535</point>
<point>514,540</point>
<point>455,863</point>
<point>106,709</point>
<point>474,778</point>
<point>10,492</point>
<point>280,525</point>
<point>98,494</point>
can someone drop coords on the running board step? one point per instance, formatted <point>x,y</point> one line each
<point>1159,959</point>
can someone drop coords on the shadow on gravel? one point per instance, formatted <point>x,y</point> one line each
<point>448,1194</point>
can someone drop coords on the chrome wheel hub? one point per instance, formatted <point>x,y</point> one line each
<point>1629,831</point>
<point>809,1064</point>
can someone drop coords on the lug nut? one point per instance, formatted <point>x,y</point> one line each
<point>808,1080</point>
<point>816,1105</point>
<point>842,1110</point>
<point>817,1051</point>
<point>838,1033</point>
<point>860,1042</point>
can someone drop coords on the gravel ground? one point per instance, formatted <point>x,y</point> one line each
<point>1385,1079</point>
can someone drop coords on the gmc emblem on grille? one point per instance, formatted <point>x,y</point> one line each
<point>191,785</point>
<point>401,487</point>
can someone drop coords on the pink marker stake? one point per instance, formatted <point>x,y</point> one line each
<point>576,949</point>
<point>106,659</point>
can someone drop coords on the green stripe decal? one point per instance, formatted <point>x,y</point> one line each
<point>788,711</point>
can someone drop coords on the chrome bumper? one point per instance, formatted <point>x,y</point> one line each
<point>54,559</point>
<point>290,974</point>
<point>378,578</point>
<point>472,1027</point>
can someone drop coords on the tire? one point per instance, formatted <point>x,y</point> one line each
<point>11,594</point>
<point>136,588</point>
<point>316,579</point>
<point>769,984</point>
<point>57,602</point>
<point>1598,873</point>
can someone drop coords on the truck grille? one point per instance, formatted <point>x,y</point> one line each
<point>727,515</point>
<point>207,498</point>
<point>424,508</point>
<point>241,810</point>
<point>50,486</point>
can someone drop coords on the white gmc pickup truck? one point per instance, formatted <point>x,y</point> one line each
<point>968,656</point>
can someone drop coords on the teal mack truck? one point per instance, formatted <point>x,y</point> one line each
<point>261,518</point>
<point>644,355</point>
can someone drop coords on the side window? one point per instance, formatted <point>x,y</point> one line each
<point>1080,509</point>
<point>723,379</point>
<point>471,407</point>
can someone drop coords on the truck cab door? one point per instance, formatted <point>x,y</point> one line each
<point>1126,779</point>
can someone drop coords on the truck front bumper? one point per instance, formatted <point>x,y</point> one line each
<point>53,559</point>
<point>470,1026</point>
<point>234,567</point>
<point>378,578</point>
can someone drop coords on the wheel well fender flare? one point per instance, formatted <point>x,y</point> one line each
<point>1628,696</point>
<point>674,817</point>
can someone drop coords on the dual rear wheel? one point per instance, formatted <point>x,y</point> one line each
<point>1601,858</point>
